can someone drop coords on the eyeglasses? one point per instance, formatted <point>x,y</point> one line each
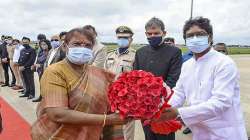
<point>222,51</point>
<point>54,40</point>
<point>123,37</point>
<point>197,34</point>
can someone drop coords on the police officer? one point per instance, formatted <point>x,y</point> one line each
<point>121,60</point>
<point>26,60</point>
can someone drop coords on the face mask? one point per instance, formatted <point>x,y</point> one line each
<point>79,55</point>
<point>122,42</point>
<point>26,45</point>
<point>155,41</point>
<point>197,44</point>
<point>55,44</point>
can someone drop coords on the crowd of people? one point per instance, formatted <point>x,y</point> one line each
<point>23,59</point>
<point>75,69</point>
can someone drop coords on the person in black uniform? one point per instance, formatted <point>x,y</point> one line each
<point>160,59</point>
<point>26,60</point>
<point>6,62</point>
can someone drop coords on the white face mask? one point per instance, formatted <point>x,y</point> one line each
<point>55,44</point>
<point>123,42</point>
<point>79,55</point>
<point>197,44</point>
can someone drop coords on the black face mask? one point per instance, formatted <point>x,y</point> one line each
<point>26,45</point>
<point>155,41</point>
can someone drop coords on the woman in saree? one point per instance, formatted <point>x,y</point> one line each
<point>74,102</point>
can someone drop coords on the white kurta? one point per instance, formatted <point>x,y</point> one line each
<point>210,86</point>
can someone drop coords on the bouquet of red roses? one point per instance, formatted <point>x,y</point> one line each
<point>140,95</point>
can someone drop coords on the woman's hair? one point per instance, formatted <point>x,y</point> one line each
<point>41,37</point>
<point>47,42</point>
<point>90,27</point>
<point>82,31</point>
<point>203,23</point>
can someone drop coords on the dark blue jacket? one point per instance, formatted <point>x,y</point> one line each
<point>27,57</point>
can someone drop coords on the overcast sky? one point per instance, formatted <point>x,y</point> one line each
<point>230,18</point>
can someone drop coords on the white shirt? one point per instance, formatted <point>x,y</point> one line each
<point>210,86</point>
<point>53,52</point>
<point>17,52</point>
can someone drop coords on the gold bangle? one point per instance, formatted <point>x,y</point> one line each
<point>104,120</point>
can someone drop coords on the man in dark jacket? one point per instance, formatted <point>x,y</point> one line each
<point>6,62</point>
<point>26,60</point>
<point>161,60</point>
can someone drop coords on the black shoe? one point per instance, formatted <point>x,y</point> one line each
<point>22,96</point>
<point>21,91</point>
<point>12,85</point>
<point>30,97</point>
<point>38,99</point>
<point>187,131</point>
<point>5,85</point>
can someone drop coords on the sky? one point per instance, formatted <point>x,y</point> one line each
<point>230,18</point>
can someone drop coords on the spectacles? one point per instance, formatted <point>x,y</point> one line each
<point>54,40</point>
<point>123,37</point>
<point>222,51</point>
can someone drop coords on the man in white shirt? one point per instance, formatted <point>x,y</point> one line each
<point>209,84</point>
<point>16,56</point>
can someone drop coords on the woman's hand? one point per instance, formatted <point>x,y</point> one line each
<point>114,119</point>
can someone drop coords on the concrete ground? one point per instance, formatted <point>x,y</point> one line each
<point>27,109</point>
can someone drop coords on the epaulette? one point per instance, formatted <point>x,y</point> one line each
<point>110,51</point>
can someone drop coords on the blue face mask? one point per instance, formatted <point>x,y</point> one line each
<point>155,41</point>
<point>197,44</point>
<point>122,42</point>
<point>55,44</point>
<point>79,55</point>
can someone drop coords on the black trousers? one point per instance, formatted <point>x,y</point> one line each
<point>6,67</point>
<point>150,135</point>
<point>28,77</point>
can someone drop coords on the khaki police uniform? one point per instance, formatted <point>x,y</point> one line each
<point>118,63</point>
<point>122,62</point>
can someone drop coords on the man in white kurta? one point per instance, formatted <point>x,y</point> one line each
<point>210,86</point>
